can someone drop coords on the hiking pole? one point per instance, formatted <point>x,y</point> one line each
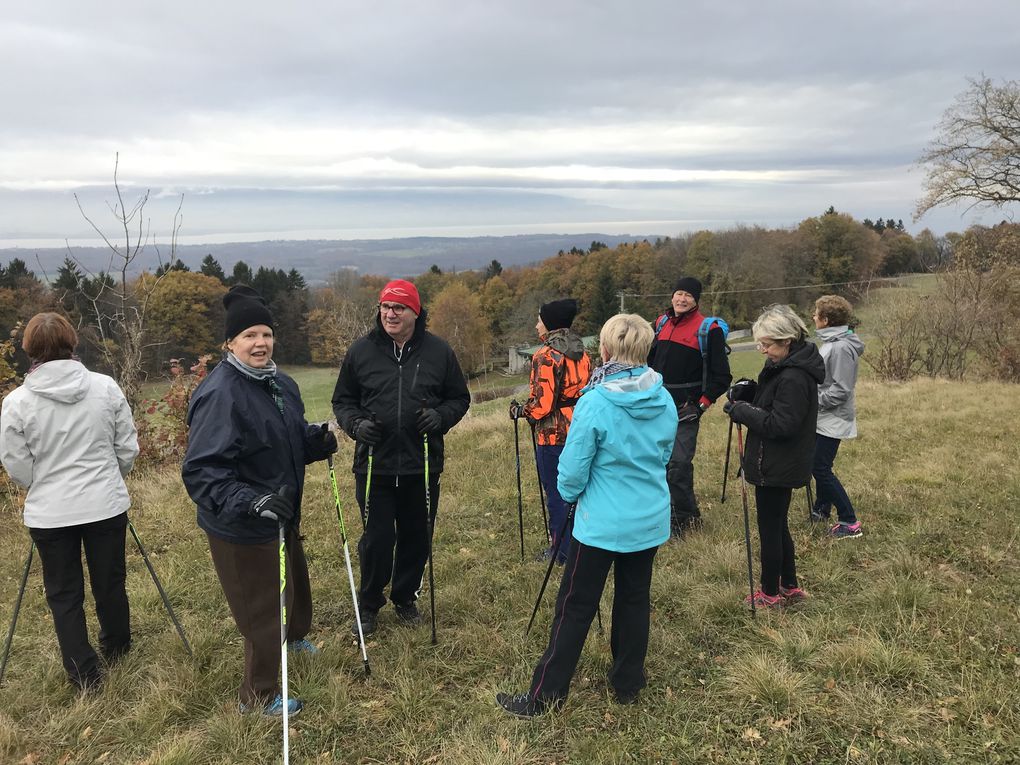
<point>548,571</point>
<point>726,463</point>
<point>162,592</point>
<point>347,561</point>
<point>747,521</point>
<point>368,488</point>
<point>810,499</point>
<point>541,491</point>
<point>428,519</point>
<point>283,644</point>
<point>17,608</point>
<point>520,498</point>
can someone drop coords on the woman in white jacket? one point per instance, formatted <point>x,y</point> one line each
<point>67,436</point>
<point>841,350</point>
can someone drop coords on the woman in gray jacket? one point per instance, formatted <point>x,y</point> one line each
<point>841,350</point>
<point>67,436</point>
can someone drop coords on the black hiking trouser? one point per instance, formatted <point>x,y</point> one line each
<point>584,578</point>
<point>64,582</point>
<point>778,563</point>
<point>680,476</point>
<point>395,544</point>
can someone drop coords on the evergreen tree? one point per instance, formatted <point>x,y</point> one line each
<point>241,274</point>
<point>211,267</point>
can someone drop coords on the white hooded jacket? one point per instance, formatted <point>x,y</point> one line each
<point>67,436</point>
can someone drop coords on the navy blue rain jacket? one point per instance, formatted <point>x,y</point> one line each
<point>240,447</point>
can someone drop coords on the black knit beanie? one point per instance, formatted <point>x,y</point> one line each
<point>690,285</point>
<point>245,308</point>
<point>558,314</point>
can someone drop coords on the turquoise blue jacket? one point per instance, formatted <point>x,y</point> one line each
<point>614,462</point>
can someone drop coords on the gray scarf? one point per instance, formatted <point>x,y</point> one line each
<point>265,376</point>
<point>609,368</point>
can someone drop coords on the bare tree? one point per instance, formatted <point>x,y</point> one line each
<point>116,306</point>
<point>975,155</point>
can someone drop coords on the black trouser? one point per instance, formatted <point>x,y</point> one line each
<point>778,564</point>
<point>64,581</point>
<point>250,577</point>
<point>584,578</point>
<point>395,544</point>
<point>680,475</point>
<point>830,489</point>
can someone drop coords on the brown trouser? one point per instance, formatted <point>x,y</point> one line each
<point>250,577</point>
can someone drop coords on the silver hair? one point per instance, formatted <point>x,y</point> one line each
<point>779,322</point>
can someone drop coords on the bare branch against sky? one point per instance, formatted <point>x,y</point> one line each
<point>391,118</point>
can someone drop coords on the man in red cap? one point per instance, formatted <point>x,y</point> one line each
<point>397,384</point>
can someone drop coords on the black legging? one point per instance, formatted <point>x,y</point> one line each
<point>778,565</point>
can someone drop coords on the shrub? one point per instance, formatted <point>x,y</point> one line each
<point>162,423</point>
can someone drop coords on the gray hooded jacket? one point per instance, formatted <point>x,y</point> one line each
<point>841,350</point>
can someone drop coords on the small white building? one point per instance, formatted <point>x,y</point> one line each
<point>519,356</point>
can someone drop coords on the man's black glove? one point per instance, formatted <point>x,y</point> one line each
<point>272,506</point>
<point>742,390</point>
<point>516,410</point>
<point>326,437</point>
<point>429,421</point>
<point>368,431</point>
<point>737,410</point>
<point>689,412</point>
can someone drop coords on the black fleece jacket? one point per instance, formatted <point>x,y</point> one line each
<point>781,419</point>
<point>373,382</point>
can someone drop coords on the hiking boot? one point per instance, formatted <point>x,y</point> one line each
<point>522,704</point>
<point>408,614</point>
<point>302,646</point>
<point>368,622</point>
<point>626,697</point>
<point>274,708</point>
<point>793,594</point>
<point>761,600</point>
<point>846,531</point>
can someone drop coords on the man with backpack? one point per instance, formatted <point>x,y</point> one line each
<point>689,352</point>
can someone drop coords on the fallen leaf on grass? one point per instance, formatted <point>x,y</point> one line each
<point>103,757</point>
<point>65,759</point>
<point>86,734</point>
<point>830,683</point>
<point>783,723</point>
<point>30,759</point>
<point>504,744</point>
<point>752,735</point>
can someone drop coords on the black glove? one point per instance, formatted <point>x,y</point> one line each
<point>326,437</point>
<point>733,409</point>
<point>429,421</point>
<point>272,506</point>
<point>368,431</point>
<point>742,390</point>
<point>516,410</point>
<point>689,412</point>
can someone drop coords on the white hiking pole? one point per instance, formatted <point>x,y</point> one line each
<point>283,647</point>
<point>347,560</point>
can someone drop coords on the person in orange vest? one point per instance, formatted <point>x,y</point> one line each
<point>559,370</point>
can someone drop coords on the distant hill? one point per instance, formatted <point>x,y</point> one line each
<point>317,259</point>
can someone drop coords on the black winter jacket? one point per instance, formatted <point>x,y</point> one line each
<point>374,383</point>
<point>781,419</point>
<point>240,447</point>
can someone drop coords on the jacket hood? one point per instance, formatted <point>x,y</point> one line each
<point>637,391</point>
<point>64,380</point>
<point>567,342</point>
<point>844,333</point>
<point>805,356</point>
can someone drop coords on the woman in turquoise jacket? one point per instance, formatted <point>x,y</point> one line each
<point>613,468</point>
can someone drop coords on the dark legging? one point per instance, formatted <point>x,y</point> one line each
<point>778,565</point>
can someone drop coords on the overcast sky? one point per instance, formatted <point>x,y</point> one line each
<point>339,119</point>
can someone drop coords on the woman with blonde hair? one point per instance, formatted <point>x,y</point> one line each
<point>780,420</point>
<point>67,436</point>
<point>613,468</point>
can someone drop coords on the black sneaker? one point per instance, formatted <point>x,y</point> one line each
<point>408,614</point>
<point>368,622</point>
<point>522,704</point>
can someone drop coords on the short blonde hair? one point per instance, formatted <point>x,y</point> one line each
<point>779,322</point>
<point>627,338</point>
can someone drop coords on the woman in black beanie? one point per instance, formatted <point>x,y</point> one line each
<point>248,445</point>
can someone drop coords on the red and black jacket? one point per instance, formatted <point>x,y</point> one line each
<point>675,355</point>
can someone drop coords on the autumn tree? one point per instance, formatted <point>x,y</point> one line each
<point>185,317</point>
<point>456,316</point>
<point>975,155</point>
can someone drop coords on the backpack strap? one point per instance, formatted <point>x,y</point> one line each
<point>703,330</point>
